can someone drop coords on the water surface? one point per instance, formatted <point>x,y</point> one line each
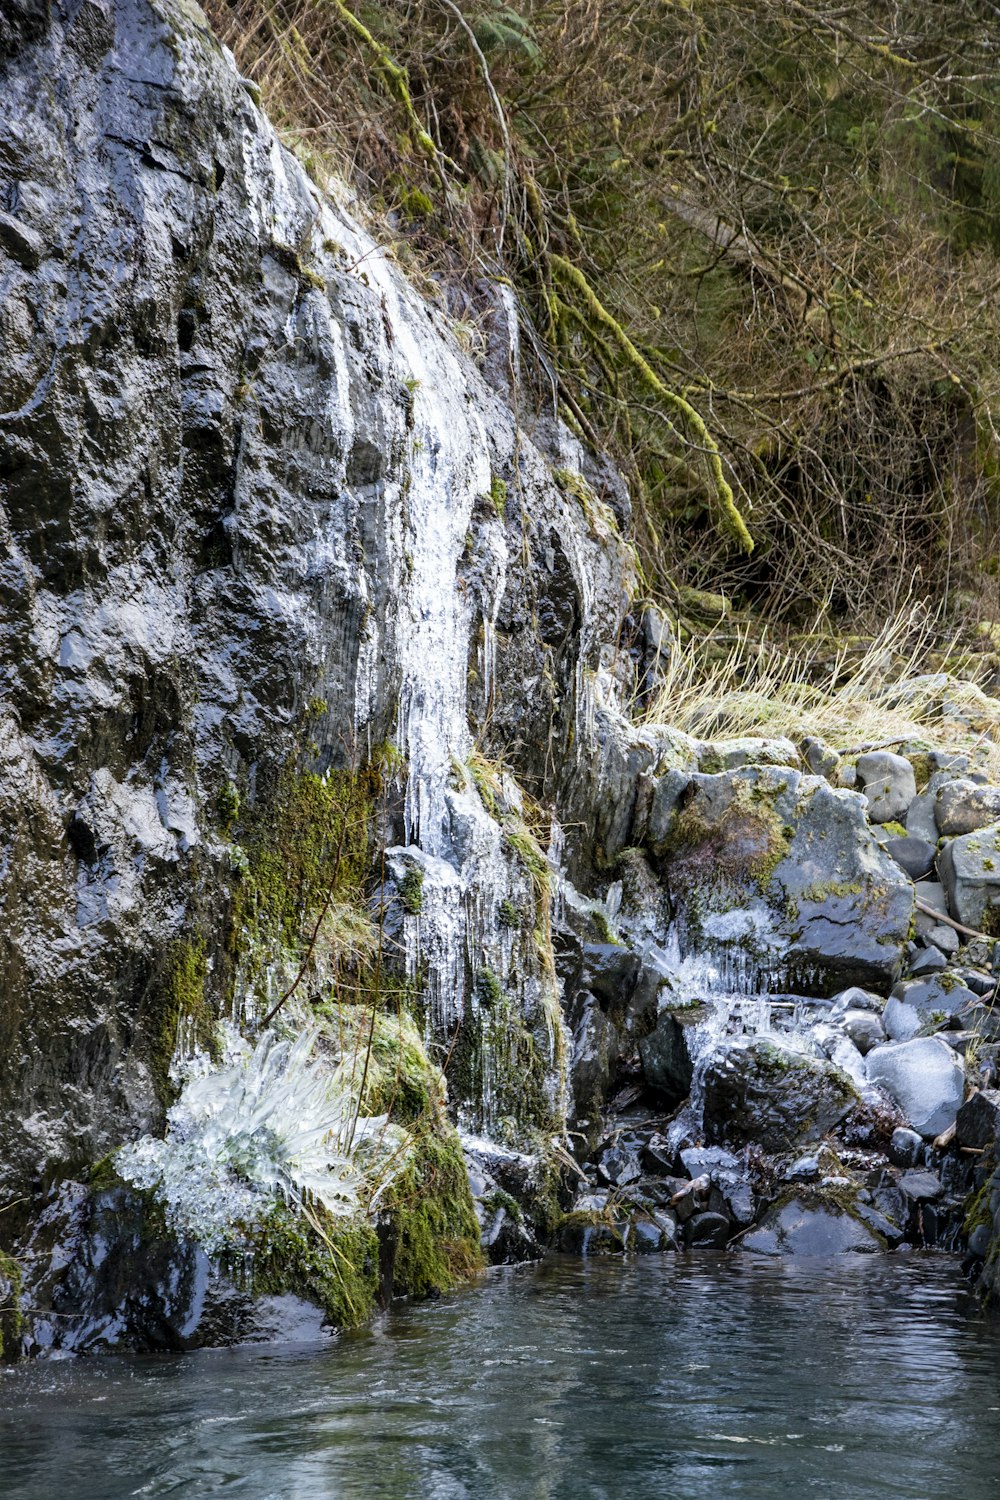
<point>669,1377</point>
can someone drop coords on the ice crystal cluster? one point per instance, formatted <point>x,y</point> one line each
<point>267,1124</point>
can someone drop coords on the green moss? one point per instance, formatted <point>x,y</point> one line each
<point>10,1306</point>
<point>434,1218</point>
<point>742,847</point>
<point>604,928</point>
<point>415,203</point>
<point>228,805</point>
<point>411,891</point>
<point>896,830</point>
<point>977,1209</point>
<point>497,1200</point>
<point>185,1008</point>
<point>306,847</point>
<point>488,989</point>
<point>508,913</point>
<point>498,495</point>
<point>330,1262</point>
<point>827,890</point>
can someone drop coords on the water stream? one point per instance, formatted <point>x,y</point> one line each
<point>680,1377</point>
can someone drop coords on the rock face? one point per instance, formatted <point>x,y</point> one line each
<point>246,505</point>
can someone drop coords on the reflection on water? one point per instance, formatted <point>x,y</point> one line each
<point>661,1379</point>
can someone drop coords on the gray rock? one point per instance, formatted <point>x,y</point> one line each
<point>820,757</point>
<point>901,1022</point>
<point>920,820</point>
<point>803,1169</point>
<point>926,1080</point>
<point>805,1228</point>
<point>666,1061</point>
<point>856,998</point>
<point>864,1028</point>
<point>930,961</point>
<point>921,1186</point>
<point>929,893</point>
<point>969,867</point>
<point>963,806</point>
<point>729,755</point>
<point>888,783</point>
<point>978,1121</point>
<point>936,999</point>
<point>906,1147</point>
<point>976,980</point>
<point>755,1090</point>
<point>944,938</point>
<point>914,856</point>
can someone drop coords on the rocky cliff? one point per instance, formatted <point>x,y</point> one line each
<point>314,635</point>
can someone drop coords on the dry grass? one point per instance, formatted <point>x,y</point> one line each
<point>861,695</point>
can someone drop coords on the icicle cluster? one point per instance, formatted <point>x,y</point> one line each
<point>267,1124</point>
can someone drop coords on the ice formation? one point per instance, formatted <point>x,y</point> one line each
<point>268,1124</point>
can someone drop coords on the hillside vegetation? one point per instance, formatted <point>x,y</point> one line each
<point>755,246</point>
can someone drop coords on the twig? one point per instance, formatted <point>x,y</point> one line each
<point>941,916</point>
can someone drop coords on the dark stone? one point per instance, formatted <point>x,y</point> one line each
<point>666,1062</point>
<point>915,856</point>
<point>877,1222</point>
<point>807,1228</point>
<point>707,1231</point>
<point>756,1091</point>
<point>922,1187</point>
<point>930,961</point>
<point>977,1123</point>
<point>906,1148</point>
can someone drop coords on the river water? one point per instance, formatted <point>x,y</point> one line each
<point>670,1377</point>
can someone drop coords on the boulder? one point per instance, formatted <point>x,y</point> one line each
<point>921,819</point>
<point>823,904</point>
<point>729,755</point>
<point>913,856</point>
<point>756,1090</point>
<point>706,1231</point>
<point>969,867</point>
<point>936,999</point>
<point>806,1228</point>
<point>921,1186</point>
<point>925,1078</point>
<point>666,1061</point>
<point>963,806</point>
<point>978,1121</point>
<point>888,783</point>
